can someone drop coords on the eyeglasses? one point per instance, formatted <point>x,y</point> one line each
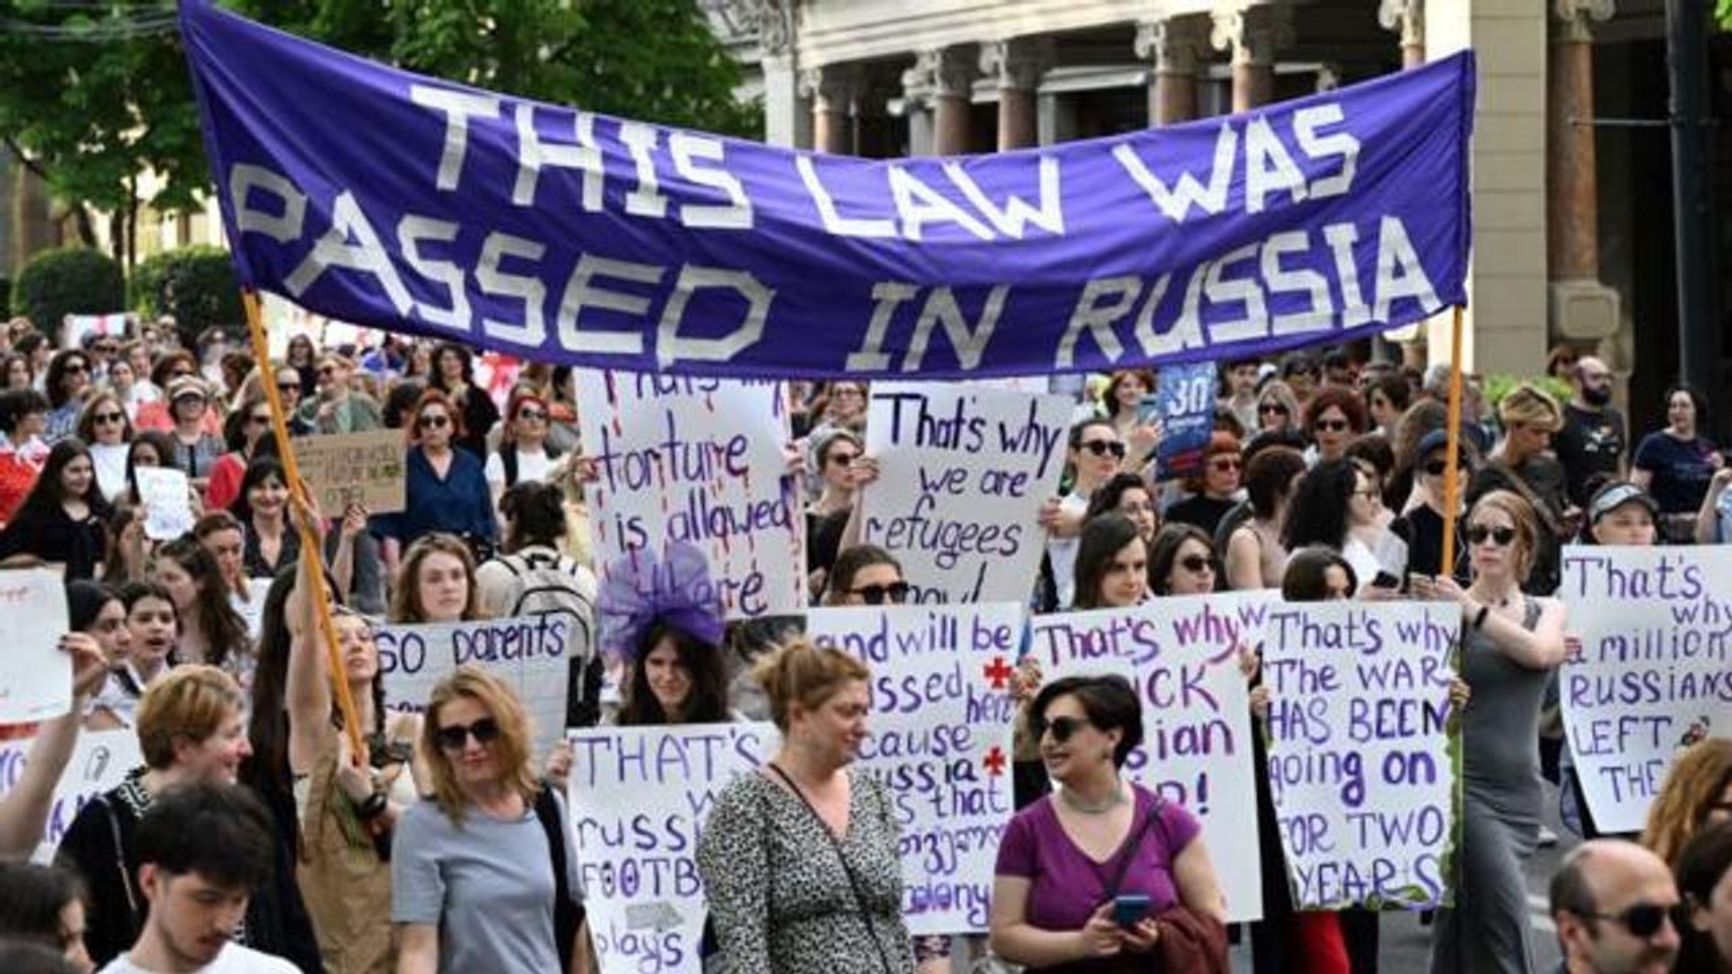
<point>894,592</point>
<point>1196,564</point>
<point>1501,537</point>
<point>434,421</point>
<point>101,418</point>
<point>1101,448</point>
<point>1061,728</point>
<point>843,459</point>
<point>1644,919</point>
<point>1224,464</point>
<point>1272,409</point>
<point>452,737</point>
<point>531,414</point>
<point>1332,425</point>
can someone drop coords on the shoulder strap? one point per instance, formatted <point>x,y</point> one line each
<point>836,843</point>
<point>1135,844</point>
<point>120,859</point>
<point>565,922</point>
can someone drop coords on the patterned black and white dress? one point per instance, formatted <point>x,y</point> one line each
<point>780,900</point>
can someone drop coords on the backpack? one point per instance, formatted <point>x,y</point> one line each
<point>567,915</point>
<point>543,582</point>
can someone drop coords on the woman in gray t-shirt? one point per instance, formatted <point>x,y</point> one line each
<point>470,890</point>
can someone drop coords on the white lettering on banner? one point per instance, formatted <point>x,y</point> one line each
<point>35,675</point>
<point>639,798</point>
<point>669,470</point>
<point>1181,654</point>
<point>99,763</point>
<point>1359,749</point>
<point>962,477</point>
<point>459,107</point>
<point>532,654</point>
<point>941,722</point>
<point>1651,671</point>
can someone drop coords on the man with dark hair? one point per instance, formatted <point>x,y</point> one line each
<point>1592,441</point>
<point>202,851</point>
<point>1615,906</point>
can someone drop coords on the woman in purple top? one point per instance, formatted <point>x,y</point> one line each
<point>1065,857</point>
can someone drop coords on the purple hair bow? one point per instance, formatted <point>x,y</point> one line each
<point>640,591</point>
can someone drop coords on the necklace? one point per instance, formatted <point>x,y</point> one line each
<point>1078,805</point>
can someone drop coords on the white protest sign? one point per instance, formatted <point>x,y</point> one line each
<point>962,477</point>
<point>75,328</point>
<point>1360,765</point>
<point>1652,669</point>
<point>639,797</point>
<point>941,725</point>
<point>532,654</point>
<point>99,762</point>
<point>167,505</point>
<point>698,461</point>
<point>35,676</point>
<point>1182,655</point>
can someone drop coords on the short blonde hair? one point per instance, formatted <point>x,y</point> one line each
<point>801,672</point>
<point>188,702</point>
<point>511,749</point>
<point>1530,406</point>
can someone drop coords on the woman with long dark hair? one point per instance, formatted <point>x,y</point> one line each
<point>63,519</point>
<point>1112,564</point>
<point>670,638</point>
<point>454,375</point>
<point>261,504</point>
<point>243,430</point>
<point>211,630</point>
<point>68,382</point>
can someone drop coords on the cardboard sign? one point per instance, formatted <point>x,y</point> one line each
<point>99,763</point>
<point>941,722</point>
<point>1650,672</point>
<point>35,676</point>
<point>1182,655</point>
<point>639,798</point>
<point>355,468</point>
<point>1360,761</point>
<point>963,473</point>
<point>167,504</point>
<point>531,654</point>
<point>698,462</point>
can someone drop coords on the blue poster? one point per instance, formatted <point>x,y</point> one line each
<point>397,201</point>
<point>1184,402</point>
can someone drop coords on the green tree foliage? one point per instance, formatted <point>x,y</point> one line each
<point>68,280</point>
<point>93,94</point>
<point>195,284</point>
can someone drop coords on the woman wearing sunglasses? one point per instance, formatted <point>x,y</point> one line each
<point>1333,417</point>
<point>1422,525</point>
<point>1511,644</point>
<point>1277,407</point>
<point>865,575</point>
<point>1215,490</point>
<point>445,488</point>
<point>67,383</point>
<point>1182,562</point>
<point>105,428</point>
<point>1095,454</point>
<point>346,805</point>
<point>243,430</point>
<point>1102,868</point>
<point>524,453</point>
<point>482,875</point>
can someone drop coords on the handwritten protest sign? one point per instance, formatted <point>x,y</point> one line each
<point>1181,653</point>
<point>355,468</point>
<point>1651,671</point>
<point>35,676</point>
<point>74,329</point>
<point>699,462</point>
<point>941,742</point>
<point>962,476</point>
<point>99,762</point>
<point>167,505</point>
<point>532,654</point>
<point>1184,403</point>
<point>1360,762</point>
<point>639,797</point>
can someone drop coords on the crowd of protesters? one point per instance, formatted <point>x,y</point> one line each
<point>263,834</point>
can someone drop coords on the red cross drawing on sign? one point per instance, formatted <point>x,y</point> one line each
<point>994,761</point>
<point>998,672</point>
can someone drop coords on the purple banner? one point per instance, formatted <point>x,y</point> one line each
<point>392,200</point>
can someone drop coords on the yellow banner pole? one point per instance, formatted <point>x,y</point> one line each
<point>311,550</point>
<point>1452,468</point>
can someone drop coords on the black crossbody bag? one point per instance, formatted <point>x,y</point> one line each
<point>853,884</point>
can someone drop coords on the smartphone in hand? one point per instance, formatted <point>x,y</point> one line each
<point>1130,908</point>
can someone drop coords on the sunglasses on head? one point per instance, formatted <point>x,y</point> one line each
<point>1645,919</point>
<point>1061,727</point>
<point>1101,448</point>
<point>433,422</point>
<point>895,592</point>
<point>1196,564</point>
<point>1332,425</point>
<point>1500,536</point>
<point>452,737</point>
